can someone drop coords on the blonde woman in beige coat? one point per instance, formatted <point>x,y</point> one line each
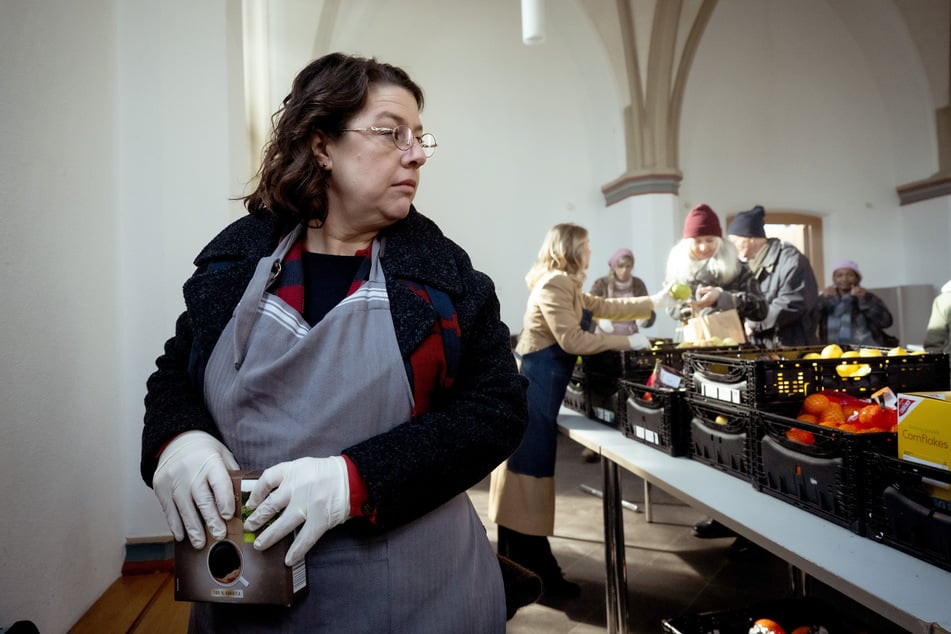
<point>555,331</point>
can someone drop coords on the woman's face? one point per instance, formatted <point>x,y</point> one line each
<point>372,182</point>
<point>703,247</point>
<point>845,279</point>
<point>623,269</point>
<point>585,254</point>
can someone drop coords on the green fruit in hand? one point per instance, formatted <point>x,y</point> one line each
<point>680,291</point>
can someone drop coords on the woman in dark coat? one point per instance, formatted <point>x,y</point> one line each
<point>337,341</point>
<point>849,313</point>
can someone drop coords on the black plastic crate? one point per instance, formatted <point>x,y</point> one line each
<point>719,435</point>
<point>609,362</point>
<point>901,373</point>
<point>638,364</point>
<point>903,513</point>
<point>824,478</point>
<point>760,378</point>
<point>601,397</point>
<point>789,613</point>
<point>634,365</point>
<point>654,416</point>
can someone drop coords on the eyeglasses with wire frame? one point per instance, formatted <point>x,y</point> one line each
<point>402,137</point>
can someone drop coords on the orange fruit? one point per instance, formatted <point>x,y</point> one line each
<point>808,418</point>
<point>815,404</point>
<point>833,413</point>
<point>848,427</point>
<point>850,410</point>
<point>766,626</point>
<point>801,436</point>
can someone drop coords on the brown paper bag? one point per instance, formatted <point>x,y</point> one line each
<point>722,324</point>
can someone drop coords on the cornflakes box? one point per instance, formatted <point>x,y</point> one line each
<point>230,570</point>
<point>924,428</point>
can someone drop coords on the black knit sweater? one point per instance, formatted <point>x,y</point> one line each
<point>419,464</point>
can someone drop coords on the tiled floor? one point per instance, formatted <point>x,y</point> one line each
<point>669,571</point>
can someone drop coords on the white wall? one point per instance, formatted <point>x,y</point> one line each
<point>181,157</point>
<point>790,107</point>
<point>121,124</point>
<point>526,134</point>
<point>116,167</point>
<point>59,447</point>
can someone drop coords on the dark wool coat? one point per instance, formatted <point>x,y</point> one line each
<point>420,463</point>
<point>868,314</point>
<point>789,285</point>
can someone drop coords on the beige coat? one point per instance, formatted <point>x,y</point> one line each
<point>554,314</point>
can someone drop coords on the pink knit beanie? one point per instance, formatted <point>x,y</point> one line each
<point>620,253</point>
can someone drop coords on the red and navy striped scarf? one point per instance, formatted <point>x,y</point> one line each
<point>433,364</point>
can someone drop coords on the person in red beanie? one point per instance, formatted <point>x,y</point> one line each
<point>711,266</point>
<point>718,280</point>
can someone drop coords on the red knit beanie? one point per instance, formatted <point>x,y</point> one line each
<point>702,221</point>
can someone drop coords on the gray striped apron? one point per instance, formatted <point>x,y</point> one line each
<point>279,390</point>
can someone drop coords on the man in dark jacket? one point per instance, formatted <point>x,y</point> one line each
<point>786,279</point>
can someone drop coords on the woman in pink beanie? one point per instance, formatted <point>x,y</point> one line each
<point>620,282</point>
<point>849,313</point>
<point>712,268</point>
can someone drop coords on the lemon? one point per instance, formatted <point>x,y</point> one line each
<point>897,351</point>
<point>870,352</point>
<point>721,420</point>
<point>680,291</point>
<point>729,341</point>
<point>852,370</point>
<point>861,370</point>
<point>812,355</point>
<point>845,369</point>
<point>831,351</point>
<point>848,354</point>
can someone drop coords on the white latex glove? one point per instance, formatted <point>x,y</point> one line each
<point>193,472</point>
<point>639,341</point>
<point>314,492</point>
<point>606,326</point>
<point>663,299</point>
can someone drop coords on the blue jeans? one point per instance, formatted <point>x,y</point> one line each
<point>548,372</point>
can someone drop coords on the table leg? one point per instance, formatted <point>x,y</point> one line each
<point>797,581</point>
<point>614,557</point>
<point>648,513</point>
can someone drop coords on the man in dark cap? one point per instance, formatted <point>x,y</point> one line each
<point>786,279</point>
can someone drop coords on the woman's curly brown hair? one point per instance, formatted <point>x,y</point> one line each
<point>324,97</point>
